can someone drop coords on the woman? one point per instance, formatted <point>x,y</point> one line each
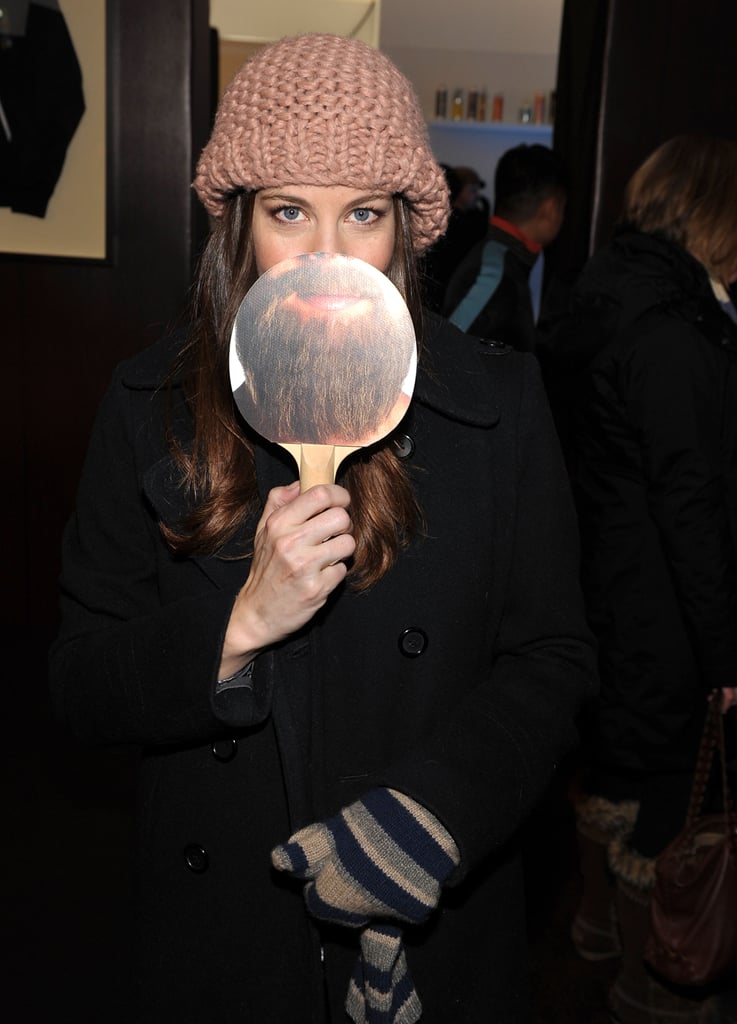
<point>389,666</point>
<point>654,449</point>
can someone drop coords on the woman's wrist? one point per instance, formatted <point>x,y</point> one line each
<point>240,644</point>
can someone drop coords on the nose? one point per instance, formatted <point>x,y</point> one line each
<point>326,238</point>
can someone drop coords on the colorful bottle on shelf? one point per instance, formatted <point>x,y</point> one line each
<point>441,101</point>
<point>481,112</point>
<point>497,107</point>
<point>538,108</point>
<point>457,108</point>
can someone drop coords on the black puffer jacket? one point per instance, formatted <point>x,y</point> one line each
<point>653,459</point>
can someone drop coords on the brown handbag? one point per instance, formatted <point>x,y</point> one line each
<point>693,910</point>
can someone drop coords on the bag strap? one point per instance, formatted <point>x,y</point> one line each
<point>712,740</point>
<point>726,792</point>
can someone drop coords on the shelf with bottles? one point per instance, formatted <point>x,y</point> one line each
<point>473,106</point>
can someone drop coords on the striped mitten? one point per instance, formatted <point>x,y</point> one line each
<point>381,989</point>
<point>384,856</point>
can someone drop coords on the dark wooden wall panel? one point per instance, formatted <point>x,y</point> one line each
<point>67,323</point>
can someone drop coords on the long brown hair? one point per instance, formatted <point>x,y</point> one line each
<point>218,472</point>
<point>686,191</point>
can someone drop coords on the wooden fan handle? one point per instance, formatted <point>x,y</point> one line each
<point>318,463</point>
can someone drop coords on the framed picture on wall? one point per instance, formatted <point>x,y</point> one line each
<point>54,123</point>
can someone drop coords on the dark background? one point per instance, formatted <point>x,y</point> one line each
<point>631,74</point>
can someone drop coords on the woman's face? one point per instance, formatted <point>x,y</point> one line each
<point>289,220</point>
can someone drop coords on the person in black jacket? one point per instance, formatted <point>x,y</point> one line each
<point>350,698</point>
<point>651,349</point>
<point>488,294</point>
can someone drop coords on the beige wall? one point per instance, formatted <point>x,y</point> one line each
<point>509,46</point>
<point>275,18</point>
<point>74,224</point>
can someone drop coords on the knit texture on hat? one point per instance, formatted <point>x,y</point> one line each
<point>324,110</point>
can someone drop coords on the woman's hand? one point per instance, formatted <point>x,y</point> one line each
<point>301,545</point>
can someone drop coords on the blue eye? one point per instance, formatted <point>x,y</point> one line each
<point>364,215</point>
<point>290,212</point>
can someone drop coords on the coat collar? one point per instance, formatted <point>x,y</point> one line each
<point>453,377</point>
<point>452,380</point>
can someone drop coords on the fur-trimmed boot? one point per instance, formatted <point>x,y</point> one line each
<point>639,996</point>
<point>598,821</point>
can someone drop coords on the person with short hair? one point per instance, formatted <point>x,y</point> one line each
<point>489,294</point>
<point>470,195</point>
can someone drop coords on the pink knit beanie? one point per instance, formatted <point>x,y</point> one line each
<point>324,110</point>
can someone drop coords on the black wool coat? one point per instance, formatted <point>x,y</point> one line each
<point>653,456</point>
<point>457,679</point>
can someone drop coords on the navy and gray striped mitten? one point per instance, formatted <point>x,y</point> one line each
<point>383,858</point>
<point>381,989</point>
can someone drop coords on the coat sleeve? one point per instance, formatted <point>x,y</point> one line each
<point>484,768</point>
<point>130,665</point>
<point>673,384</point>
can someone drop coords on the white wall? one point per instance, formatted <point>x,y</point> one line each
<point>509,46</point>
<point>264,22</point>
<point>505,26</point>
